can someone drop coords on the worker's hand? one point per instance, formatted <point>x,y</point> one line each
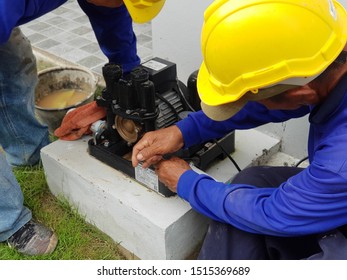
<point>76,123</point>
<point>153,145</point>
<point>107,3</point>
<point>169,171</point>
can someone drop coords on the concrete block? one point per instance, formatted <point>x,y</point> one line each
<point>145,223</point>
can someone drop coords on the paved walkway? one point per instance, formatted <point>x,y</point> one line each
<point>66,33</point>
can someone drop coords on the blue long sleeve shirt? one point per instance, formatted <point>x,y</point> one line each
<point>313,201</point>
<point>112,26</point>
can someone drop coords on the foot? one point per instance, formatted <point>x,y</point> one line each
<point>33,239</point>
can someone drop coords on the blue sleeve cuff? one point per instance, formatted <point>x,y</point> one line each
<point>189,132</point>
<point>185,184</point>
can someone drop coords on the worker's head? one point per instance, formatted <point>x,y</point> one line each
<point>256,49</point>
<point>143,11</point>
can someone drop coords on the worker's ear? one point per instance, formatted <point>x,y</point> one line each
<point>330,77</point>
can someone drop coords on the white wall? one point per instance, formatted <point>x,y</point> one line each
<point>176,37</point>
<point>344,3</point>
<point>176,34</point>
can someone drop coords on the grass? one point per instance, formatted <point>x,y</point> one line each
<point>78,240</point>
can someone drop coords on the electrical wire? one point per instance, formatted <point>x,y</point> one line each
<point>168,104</point>
<point>301,161</point>
<point>228,155</point>
<point>183,96</point>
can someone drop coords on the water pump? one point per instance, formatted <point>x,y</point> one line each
<point>150,97</point>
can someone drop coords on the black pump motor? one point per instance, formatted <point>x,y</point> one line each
<point>149,98</point>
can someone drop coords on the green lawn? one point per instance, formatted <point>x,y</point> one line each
<point>78,240</point>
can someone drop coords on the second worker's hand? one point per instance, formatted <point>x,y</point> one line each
<point>169,171</point>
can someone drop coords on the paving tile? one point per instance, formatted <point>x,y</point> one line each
<point>70,14</point>
<point>51,31</point>
<point>82,19</point>
<point>143,39</point>
<point>65,37</point>
<point>61,49</point>
<point>75,55</point>
<point>46,17</point>
<point>91,61</point>
<point>78,42</point>
<point>55,20</point>
<point>27,32</point>
<point>38,26</point>
<point>61,10</point>
<point>90,36</point>
<point>92,48</point>
<point>68,25</point>
<point>47,44</point>
<point>148,45</point>
<point>66,32</point>
<point>35,38</point>
<point>81,30</point>
<point>98,69</point>
<point>143,51</point>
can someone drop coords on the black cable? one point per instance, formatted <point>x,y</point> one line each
<point>301,161</point>
<point>168,104</point>
<point>183,96</point>
<point>226,153</point>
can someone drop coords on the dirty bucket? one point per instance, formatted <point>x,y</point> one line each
<point>64,80</point>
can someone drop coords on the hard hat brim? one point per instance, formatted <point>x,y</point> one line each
<point>225,111</point>
<point>222,112</point>
<point>143,14</point>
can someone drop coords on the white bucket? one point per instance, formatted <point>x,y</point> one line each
<point>59,78</point>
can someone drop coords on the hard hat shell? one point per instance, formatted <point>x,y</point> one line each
<point>142,11</point>
<point>251,44</point>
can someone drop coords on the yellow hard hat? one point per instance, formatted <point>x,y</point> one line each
<point>142,11</point>
<point>249,45</point>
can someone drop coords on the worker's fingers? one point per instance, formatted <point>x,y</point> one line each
<point>155,143</point>
<point>147,148</point>
<point>136,155</point>
<point>149,154</point>
<point>151,161</point>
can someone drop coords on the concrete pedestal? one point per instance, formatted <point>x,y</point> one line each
<point>146,224</point>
